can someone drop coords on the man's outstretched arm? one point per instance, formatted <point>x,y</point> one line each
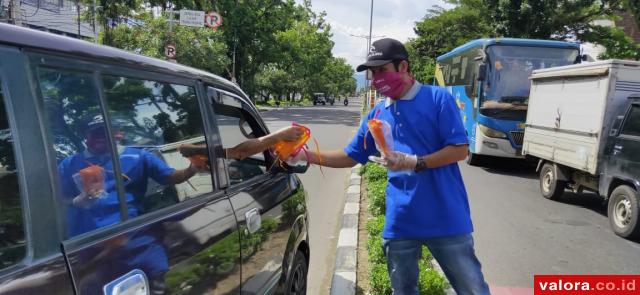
<point>333,159</point>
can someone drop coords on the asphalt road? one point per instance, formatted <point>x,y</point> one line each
<point>333,127</point>
<point>518,233</point>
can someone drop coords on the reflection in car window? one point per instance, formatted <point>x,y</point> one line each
<point>152,119</point>
<point>12,240</point>
<point>86,180</point>
<point>632,123</point>
<point>235,127</point>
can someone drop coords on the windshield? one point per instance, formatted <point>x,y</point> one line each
<point>509,67</point>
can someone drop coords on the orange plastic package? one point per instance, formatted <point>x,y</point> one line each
<point>381,132</point>
<point>90,180</point>
<point>286,149</point>
<point>200,162</point>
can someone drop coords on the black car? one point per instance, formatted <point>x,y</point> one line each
<point>74,222</point>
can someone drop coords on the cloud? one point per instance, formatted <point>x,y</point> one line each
<point>391,18</point>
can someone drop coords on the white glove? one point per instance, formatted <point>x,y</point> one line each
<point>299,159</point>
<point>397,161</point>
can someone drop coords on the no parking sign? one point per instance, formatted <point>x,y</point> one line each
<point>212,20</point>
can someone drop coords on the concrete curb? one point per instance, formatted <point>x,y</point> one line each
<point>344,272</point>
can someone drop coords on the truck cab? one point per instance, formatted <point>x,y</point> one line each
<point>620,179</point>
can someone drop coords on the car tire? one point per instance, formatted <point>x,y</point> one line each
<point>315,103</point>
<point>474,159</point>
<point>550,187</point>
<point>623,212</point>
<point>296,283</point>
<point>324,103</point>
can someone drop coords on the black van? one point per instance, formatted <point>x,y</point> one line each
<point>74,222</point>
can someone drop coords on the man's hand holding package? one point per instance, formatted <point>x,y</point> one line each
<point>397,161</point>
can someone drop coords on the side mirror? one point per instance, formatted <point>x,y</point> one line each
<point>482,72</point>
<point>584,57</point>
<point>300,167</point>
<point>616,126</point>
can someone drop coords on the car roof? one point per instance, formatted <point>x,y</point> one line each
<point>30,38</point>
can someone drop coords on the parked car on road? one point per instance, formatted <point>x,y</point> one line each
<point>583,124</point>
<point>72,221</point>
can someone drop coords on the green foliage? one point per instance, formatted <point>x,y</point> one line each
<point>374,172</point>
<point>377,197</point>
<point>617,43</point>
<point>201,48</point>
<point>379,279</point>
<point>442,30</point>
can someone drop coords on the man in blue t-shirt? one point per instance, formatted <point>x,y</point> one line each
<point>426,201</point>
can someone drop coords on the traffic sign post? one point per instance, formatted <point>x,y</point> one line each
<point>213,20</point>
<point>170,51</point>
<point>191,18</point>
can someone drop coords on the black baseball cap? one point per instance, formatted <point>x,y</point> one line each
<point>382,52</point>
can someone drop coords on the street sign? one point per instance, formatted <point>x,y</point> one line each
<point>213,20</point>
<point>191,18</point>
<point>170,51</point>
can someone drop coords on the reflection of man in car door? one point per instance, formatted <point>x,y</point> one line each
<point>89,184</point>
<point>89,188</point>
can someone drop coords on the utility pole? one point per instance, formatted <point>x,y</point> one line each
<point>370,103</point>
<point>15,16</point>
<point>78,10</point>
<point>93,12</point>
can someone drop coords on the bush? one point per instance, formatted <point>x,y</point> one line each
<point>374,172</point>
<point>374,240</point>
<point>379,279</point>
<point>377,197</point>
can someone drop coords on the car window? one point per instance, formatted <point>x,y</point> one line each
<point>153,119</point>
<point>12,238</point>
<point>632,123</point>
<point>76,130</point>
<point>147,122</point>
<point>236,126</point>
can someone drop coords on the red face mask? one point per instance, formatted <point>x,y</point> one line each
<point>390,84</point>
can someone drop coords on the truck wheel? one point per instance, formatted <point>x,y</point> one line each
<point>474,159</point>
<point>623,212</point>
<point>550,187</point>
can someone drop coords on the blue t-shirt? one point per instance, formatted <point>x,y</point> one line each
<point>432,203</point>
<point>137,166</point>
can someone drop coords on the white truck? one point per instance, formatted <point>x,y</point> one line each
<point>583,125</point>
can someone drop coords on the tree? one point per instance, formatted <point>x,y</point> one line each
<point>562,20</point>
<point>201,48</point>
<point>442,30</point>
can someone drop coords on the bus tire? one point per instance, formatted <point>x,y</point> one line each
<point>474,159</point>
<point>623,212</point>
<point>550,187</point>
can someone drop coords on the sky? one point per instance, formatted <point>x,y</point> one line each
<point>391,18</point>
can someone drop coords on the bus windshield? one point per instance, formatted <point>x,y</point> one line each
<point>507,84</point>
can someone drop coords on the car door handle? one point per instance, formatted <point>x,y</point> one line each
<point>133,283</point>
<point>254,221</point>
